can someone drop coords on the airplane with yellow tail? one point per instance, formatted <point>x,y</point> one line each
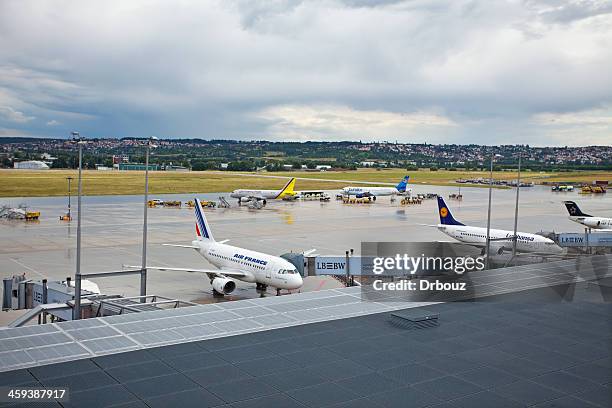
<point>263,195</point>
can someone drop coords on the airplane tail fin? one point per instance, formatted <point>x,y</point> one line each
<point>202,228</point>
<point>446,218</point>
<point>401,187</point>
<point>574,210</point>
<point>288,189</point>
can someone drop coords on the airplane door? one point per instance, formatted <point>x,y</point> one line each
<point>269,272</point>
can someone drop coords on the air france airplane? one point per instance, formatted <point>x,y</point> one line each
<point>263,195</point>
<point>587,220</point>
<point>378,191</point>
<point>477,236</point>
<point>236,263</point>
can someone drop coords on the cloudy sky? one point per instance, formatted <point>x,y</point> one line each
<point>441,71</point>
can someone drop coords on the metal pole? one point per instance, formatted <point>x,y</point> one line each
<point>77,276</point>
<point>143,272</point>
<point>489,216</point>
<point>44,298</point>
<point>516,206</point>
<point>69,198</point>
<point>348,271</point>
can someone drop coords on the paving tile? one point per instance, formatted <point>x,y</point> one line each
<point>412,373</point>
<point>294,379</point>
<point>599,395</point>
<point>368,384</point>
<point>564,382</point>
<point>484,399</point>
<point>528,392</point>
<point>157,386</point>
<point>337,370</point>
<point>592,371</point>
<point>488,377</point>
<point>322,395</point>
<point>404,397</point>
<point>269,401</point>
<point>447,388</point>
<point>121,359</point>
<point>215,375</point>
<point>135,372</point>
<point>101,397</point>
<point>266,365</point>
<point>64,369</point>
<point>242,389</point>
<point>565,402</point>
<point>310,357</point>
<point>194,361</point>
<point>521,367</point>
<point>80,382</point>
<point>451,364</point>
<point>16,377</point>
<point>196,398</point>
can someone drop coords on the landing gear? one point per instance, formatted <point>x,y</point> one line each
<point>261,286</point>
<point>277,291</point>
<point>217,294</point>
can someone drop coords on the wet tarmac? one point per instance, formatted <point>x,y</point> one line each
<point>112,232</point>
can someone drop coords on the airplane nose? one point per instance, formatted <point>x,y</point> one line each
<point>297,282</point>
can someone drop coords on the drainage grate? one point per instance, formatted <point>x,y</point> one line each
<point>414,319</point>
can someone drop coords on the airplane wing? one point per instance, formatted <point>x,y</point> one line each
<point>216,272</point>
<point>254,197</point>
<point>181,246</point>
<point>472,244</point>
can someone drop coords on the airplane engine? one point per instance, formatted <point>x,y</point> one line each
<point>224,286</point>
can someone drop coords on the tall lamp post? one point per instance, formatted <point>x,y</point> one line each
<point>76,138</point>
<point>488,245</point>
<point>69,198</point>
<point>516,206</point>
<point>143,273</point>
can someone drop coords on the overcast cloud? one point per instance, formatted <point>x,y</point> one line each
<point>441,71</point>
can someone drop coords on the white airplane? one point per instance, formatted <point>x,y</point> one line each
<point>263,195</point>
<point>587,220</point>
<point>236,263</point>
<point>500,240</point>
<point>360,192</point>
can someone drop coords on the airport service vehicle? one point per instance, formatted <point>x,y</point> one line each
<point>500,240</point>
<point>19,213</point>
<point>264,195</point>
<point>587,220</point>
<point>361,192</point>
<point>236,263</point>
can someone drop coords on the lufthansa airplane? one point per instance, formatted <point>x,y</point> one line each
<point>236,263</point>
<point>500,240</point>
<point>263,195</point>
<point>587,220</point>
<point>378,191</point>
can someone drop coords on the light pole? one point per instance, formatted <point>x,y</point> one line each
<point>488,245</point>
<point>143,271</point>
<point>516,206</point>
<point>76,138</point>
<point>69,198</point>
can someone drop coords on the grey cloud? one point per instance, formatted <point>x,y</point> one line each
<point>569,11</point>
<point>207,69</point>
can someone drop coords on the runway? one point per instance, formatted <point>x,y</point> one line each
<point>112,233</point>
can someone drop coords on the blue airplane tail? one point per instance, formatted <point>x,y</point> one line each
<point>401,187</point>
<point>446,218</point>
